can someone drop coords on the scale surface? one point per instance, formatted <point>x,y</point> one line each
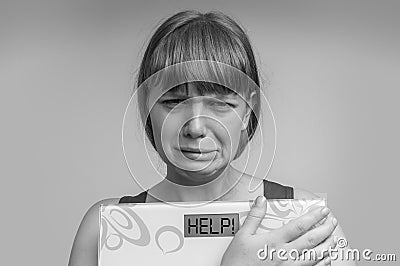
<point>166,234</point>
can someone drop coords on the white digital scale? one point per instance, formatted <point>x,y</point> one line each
<point>166,234</point>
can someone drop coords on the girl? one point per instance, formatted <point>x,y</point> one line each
<point>198,128</point>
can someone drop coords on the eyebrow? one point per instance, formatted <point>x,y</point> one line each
<point>174,93</point>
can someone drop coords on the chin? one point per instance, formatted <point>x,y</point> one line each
<point>210,171</point>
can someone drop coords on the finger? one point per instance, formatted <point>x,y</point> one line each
<point>324,262</point>
<point>318,254</point>
<point>324,249</point>
<point>315,236</point>
<point>255,216</point>
<point>320,222</point>
<point>301,225</point>
<point>300,262</point>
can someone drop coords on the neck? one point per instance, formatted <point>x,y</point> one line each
<point>184,187</point>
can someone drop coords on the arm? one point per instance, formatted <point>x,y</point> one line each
<point>338,232</point>
<point>84,248</point>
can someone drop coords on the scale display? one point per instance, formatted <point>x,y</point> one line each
<point>211,225</point>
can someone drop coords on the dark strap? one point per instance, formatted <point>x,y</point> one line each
<point>140,198</point>
<point>272,190</point>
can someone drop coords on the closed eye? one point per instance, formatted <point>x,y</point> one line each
<point>223,104</point>
<point>171,102</point>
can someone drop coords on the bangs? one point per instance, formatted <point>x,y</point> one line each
<point>202,88</point>
<point>201,40</point>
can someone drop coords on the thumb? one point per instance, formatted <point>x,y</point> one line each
<point>255,216</point>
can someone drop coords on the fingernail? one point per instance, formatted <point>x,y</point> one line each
<point>334,221</point>
<point>325,211</point>
<point>260,201</point>
<point>335,239</point>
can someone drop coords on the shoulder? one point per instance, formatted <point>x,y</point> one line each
<point>94,209</point>
<point>92,214</point>
<point>84,248</point>
<point>304,194</point>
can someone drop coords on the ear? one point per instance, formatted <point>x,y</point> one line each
<point>249,107</point>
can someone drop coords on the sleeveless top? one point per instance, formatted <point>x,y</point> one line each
<point>272,190</point>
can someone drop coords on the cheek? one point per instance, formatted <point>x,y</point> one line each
<point>156,125</point>
<point>164,126</point>
<point>230,133</point>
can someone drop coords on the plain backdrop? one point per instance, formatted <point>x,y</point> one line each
<point>67,68</point>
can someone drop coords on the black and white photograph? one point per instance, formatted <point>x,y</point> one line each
<point>215,133</point>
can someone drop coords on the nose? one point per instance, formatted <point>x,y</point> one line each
<point>195,127</point>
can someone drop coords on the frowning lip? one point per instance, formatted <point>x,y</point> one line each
<point>195,150</point>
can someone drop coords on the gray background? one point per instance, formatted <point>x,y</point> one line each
<point>66,75</point>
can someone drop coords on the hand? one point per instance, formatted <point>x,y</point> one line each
<point>312,230</point>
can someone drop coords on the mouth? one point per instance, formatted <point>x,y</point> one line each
<point>197,154</point>
<point>192,150</point>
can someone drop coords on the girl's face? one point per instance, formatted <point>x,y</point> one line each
<point>198,135</point>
